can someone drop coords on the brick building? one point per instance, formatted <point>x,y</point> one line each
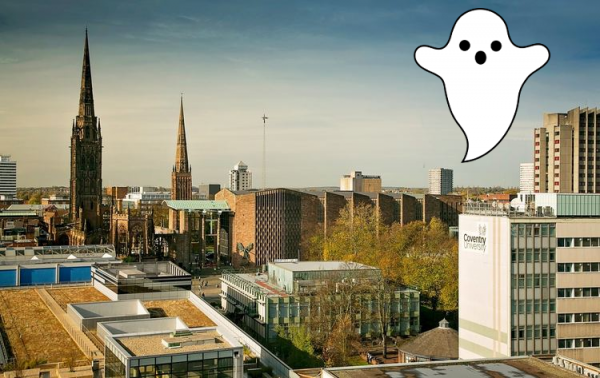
<point>279,223</point>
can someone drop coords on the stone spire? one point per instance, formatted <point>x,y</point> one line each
<point>86,97</point>
<point>181,156</point>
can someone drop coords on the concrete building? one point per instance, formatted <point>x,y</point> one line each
<point>357,182</point>
<point>529,281</point>
<point>441,181</point>
<point>526,178</point>
<point>566,158</point>
<point>286,295</point>
<point>199,352</point>
<point>240,178</point>
<point>144,198</point>
<point>146,281</point>
<point>8,177</point>
<point>208,191</point>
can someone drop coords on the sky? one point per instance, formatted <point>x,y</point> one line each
<point>337,80</point>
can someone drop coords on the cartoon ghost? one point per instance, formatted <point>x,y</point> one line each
<point>483,73</point>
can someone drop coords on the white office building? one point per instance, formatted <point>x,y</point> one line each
<point>8,177</point>
<point>440,181</point>
<point>526,182</point>
<point>529,282</point>
<point>240,178</point>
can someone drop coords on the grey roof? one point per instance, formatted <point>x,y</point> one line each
<point>311,266</point>
<point>502,367</point>
<point>197,205</point>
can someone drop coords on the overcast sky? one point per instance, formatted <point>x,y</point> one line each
<point>337,79</point>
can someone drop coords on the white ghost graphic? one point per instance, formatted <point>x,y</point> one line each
<point>483,73</point>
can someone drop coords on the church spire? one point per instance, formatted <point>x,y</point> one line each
<point>86,97</point>
<point>181,156</point>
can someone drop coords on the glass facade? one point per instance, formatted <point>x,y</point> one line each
<point>214,364</point>
<point>533,288</point>
<point>113,367</point>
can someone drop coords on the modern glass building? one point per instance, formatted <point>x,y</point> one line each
<point>154,280</point>
<point>295,293</point>
<point>205,352</point>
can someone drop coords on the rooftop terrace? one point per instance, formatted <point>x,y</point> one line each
<point>150,345</point>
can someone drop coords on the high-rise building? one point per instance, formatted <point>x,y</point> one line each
<point>8,177</point>
<point>526,181</point>
<point>240,178</point>
<point>85,200</point>
<point>566,158</point>
<point>181,177</point>
<point>357,182</point>
<point>440,181</point>
<point>529,282</point>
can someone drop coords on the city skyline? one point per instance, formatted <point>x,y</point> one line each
<point>331,77</point>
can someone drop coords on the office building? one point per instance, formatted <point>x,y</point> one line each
<point>526,178</point>
<point>288,294</point>
<point>144,198</point>
<point>440,181</point>
<point>566,158</point>
<point>208,191</point>
<point>529,281</point>
<point>357,182</point>
<point>240,178</point>
<point>8,177</point>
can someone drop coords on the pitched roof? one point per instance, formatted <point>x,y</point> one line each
<point>438,342</point>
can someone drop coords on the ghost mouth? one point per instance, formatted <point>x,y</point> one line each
<point>480,57</point>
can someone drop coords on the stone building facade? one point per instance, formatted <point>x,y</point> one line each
<point>86,165</point>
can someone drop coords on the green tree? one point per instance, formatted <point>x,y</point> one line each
<point>296,347</point>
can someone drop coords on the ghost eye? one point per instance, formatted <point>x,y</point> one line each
<point>496,45</point>
<point>464,45</point>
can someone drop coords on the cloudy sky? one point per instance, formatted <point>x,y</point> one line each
<point>337,79</point>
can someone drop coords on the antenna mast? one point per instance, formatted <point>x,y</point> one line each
<point>264,170</point>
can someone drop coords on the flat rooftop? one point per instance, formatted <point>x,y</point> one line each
<point>181,308</point>
<point>150,345</point>
<point>509,367</point>
<point>311,266</point>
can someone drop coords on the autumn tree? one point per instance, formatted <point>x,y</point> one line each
<point>342,342</point>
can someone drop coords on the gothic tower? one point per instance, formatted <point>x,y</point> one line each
<point>86,164</point>
<point>181,177</point>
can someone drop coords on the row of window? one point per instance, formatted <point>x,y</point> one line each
<point>533,256</point>
<point>534,229</point>
<point>593,342</point>
<point>588,317</point>
<point>579,292</point>
<point>578,267</point>
<point>530,306</point>
<point>523,281</point>
<point>579,242</point>
<point>531,331</point>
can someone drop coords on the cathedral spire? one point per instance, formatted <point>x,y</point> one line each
<point>86,97</point>
<point>181,156</point>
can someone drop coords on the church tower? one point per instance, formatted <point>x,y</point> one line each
<point>86,164</point>
<point>181,177</point>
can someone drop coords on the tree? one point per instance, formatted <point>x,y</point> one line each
<point>342,342</point>
<point>296,347</point>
